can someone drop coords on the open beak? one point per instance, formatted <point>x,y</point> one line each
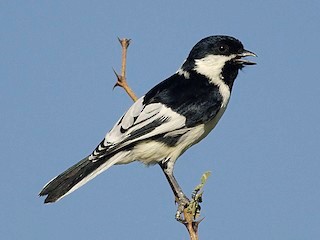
<point>245,53</point>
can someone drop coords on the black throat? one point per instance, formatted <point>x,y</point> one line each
<point>229,73</point>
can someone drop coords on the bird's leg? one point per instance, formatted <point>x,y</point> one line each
<point>181,198</point>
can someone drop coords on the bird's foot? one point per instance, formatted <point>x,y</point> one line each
<point>183,203</point>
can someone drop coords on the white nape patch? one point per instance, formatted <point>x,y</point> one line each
<point>211,66</point>
<point>184,73</point>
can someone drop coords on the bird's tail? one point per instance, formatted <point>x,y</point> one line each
<point>76,176</point>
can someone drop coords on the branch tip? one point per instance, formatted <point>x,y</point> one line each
<point>124,42</point>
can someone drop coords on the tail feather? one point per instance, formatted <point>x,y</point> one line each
<point>74,177</point>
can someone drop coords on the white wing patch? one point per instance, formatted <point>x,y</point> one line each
<point>140,122</point>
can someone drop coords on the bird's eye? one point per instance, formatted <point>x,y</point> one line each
<point>223,48</point>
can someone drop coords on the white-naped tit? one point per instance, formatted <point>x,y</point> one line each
<point>170,118</point>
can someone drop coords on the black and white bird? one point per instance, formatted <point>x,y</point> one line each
<point>174,115</point>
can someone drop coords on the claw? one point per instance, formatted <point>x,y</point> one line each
<point>182,204</point>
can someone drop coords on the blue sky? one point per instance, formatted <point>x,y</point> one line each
<point>57,103</point>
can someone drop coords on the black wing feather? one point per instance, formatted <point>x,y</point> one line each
<point>195,98</point>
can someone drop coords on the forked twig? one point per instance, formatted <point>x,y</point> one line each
<point>121,78</point>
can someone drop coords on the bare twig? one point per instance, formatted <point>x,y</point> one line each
<point>121,78</point>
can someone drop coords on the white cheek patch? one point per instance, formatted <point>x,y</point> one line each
<point>211,66</point>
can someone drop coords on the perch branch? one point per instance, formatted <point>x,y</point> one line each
<point>192,211</point>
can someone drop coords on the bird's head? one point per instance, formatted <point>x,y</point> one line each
<point>218,58</point>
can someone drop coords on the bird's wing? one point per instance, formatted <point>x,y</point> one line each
<point>168,110</point>
<point>140,122</point>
